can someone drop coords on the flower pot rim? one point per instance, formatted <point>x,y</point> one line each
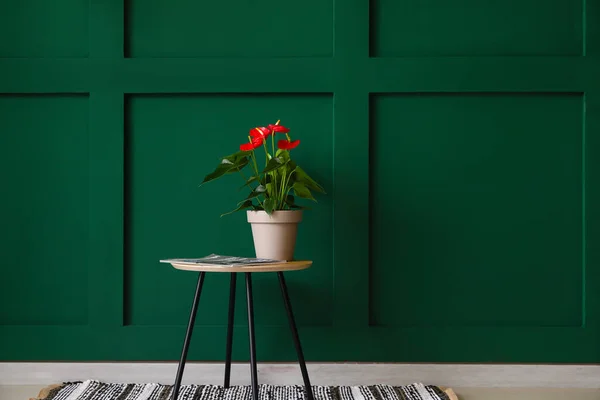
<point>275,211</point>
<point>277,217</point>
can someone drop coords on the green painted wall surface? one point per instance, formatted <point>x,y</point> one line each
<point>459,143</point>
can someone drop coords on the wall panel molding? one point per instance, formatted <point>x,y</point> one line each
<point>321,76</point>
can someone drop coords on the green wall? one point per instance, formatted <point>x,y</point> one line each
<point>459,142</point>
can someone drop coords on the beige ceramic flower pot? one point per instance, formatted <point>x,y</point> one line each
<point>275,235</point>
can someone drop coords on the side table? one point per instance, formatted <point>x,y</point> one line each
<point>248,270</point>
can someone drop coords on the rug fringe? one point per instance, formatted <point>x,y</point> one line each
<point>450,393</point>
<point>46,391</point>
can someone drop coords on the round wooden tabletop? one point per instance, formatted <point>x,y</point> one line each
<point>272,267</point>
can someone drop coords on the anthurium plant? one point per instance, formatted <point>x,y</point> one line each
<point>275,182</point>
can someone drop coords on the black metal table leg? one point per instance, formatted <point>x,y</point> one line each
<point>230,329</point>
<point>294,329</point>
<point>253,368</point>
<point>188,336</point>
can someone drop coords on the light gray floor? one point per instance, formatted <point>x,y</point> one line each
<point>24,392</point>
<point>28,391</point>
<point>526,394</point>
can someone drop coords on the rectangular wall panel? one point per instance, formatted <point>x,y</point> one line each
<point>41,28</point>
<point>44,213</point>
<point>172,142</point>
<point>477,210</point>
<point>476,28</point>
<point>266,28</point>
<point>456,141</point>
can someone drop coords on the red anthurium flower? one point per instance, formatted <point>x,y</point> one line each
<point>256,142</point>
<point>278,128</point>
<point>287,144</point>
<point>260,132</point>
<point>247,147</point>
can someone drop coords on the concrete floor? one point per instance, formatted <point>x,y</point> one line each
<point>28,391</point>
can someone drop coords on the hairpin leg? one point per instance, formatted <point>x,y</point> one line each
<point>294,329</point>
<point>230,329</point>
<point>188,336</point>
<point>253,368</point>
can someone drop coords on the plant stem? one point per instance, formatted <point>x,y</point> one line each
<point>273,143</point>
<point>266,153</point>
<point>255,165</point>
<point>284,184</point>
<point>269,188</point>
<point>274,182</point>
<point>288,192</point>
<point>245,180</point>
<point>283,197</point>
<point>285,189</point>
<point>274,190</point>
<point>257,174</point>
<point>243,176</point>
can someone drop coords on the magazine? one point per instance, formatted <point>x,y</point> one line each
<point>217,259</point>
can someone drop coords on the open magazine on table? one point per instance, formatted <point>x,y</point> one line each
<point>217,259</point>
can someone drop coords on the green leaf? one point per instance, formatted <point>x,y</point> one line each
<point>245,204</point>
<point>226,167</point>
<point>269,187</point>
<point>221,170</point>
<point>289,172</point>
<point>309,182</point>
<point>250,196</point>
<point>233,158</point>
<point>249,181</point>
<point>283,154</point>
<point>302,191</point>
<point>274,164</point>
<point>291,166</point>
<point>260,189</point>
<point>289,200</point>
<point>240,164</point>
<point>269,205</point>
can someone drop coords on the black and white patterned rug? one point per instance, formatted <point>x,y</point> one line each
<point>95,390</point>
